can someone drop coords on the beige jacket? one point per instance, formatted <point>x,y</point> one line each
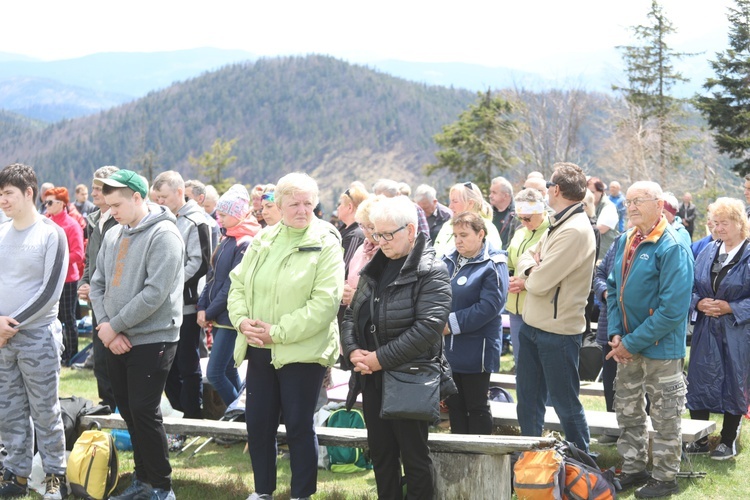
<point>558,288</point>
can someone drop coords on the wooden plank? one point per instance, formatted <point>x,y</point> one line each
<point>328,436</point>
<point>508,381</point>
<point>600,422</point>
<point>471,476</point>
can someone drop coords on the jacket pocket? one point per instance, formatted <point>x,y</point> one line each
<point>554,303</point>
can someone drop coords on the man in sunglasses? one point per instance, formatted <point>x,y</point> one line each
<point>556,274</point>
<point>648,298</point>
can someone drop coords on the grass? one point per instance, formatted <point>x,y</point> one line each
<point>224,472</point>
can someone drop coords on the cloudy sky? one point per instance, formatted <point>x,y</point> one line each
<point>527,35</point>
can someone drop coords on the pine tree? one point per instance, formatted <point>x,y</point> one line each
<point>479,145</point>
<point>651,75</point>
<point>727,108</point>
<point>215,162</point>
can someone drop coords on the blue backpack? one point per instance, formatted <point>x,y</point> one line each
<point>344,459</point>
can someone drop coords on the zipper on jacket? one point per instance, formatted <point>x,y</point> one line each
<point>554,302</point>
<point>484,346</point>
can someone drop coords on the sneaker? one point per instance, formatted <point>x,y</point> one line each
<point>55,487</point>
<point>13,486</point>
<point>160,494</point>
<point>696,448</point>
<point>629,480</point>
<point>263,496</point>
<point>657,489</point>
<point>722,452</point>
<point>608,439</point>
<point>136,491</point>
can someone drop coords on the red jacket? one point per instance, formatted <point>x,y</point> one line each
<point>74,233</point>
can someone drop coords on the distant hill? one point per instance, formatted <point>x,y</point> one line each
<point>335,120</point>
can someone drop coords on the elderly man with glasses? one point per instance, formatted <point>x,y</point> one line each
<point>648,297</point>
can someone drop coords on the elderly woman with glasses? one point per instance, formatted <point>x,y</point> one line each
<point>283,301</point>
<point>397,316</point>
<point>531,212</point>
<point>56,201</point>
<point>466,197</point>
<point>719,371</point>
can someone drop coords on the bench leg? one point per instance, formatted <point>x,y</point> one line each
<point>464,476</point>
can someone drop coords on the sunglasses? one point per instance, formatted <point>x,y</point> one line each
<point>551,184</point>
<point>719,264</point>
<point>524,219</point>
<point>49,203</point>
<point>268,197</point>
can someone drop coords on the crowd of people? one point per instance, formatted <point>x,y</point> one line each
<point>400,280</point>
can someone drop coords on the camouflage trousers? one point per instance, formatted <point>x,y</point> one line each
<point>663,381</point>
<point>29,383</point>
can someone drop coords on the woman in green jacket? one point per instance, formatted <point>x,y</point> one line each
<point>532,213</point>
<point>283,302</point>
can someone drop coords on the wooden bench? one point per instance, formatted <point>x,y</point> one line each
<point>465,466</point>
<point>508,381</point>
<point>600,422</point>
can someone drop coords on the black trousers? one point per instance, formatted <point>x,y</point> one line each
<point>729,429</point>
<point>469,410</point>
<point>103,384</point>
<point>392,442</point>
<point>185,381</point>
<point>609,372</point>
<point>138,379</point>
<point>66,313</point>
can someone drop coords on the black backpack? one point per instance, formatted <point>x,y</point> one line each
<point>72,409</point>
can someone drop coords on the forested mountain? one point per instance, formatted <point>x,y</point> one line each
<point>313,113</point>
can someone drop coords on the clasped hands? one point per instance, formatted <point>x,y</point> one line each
<point>115,342</point>
<point>618,351</point>
<point>365,362</point>
<point>713,307</point>
<point>256,332</point>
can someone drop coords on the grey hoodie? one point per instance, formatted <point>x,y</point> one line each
<point>137,285</point>
<point>193,227</point>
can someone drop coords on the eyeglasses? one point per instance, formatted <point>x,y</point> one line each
<point>268,197</point>
<point>49,203</point>
<point>346,193</point>
<point>719,264</point>
<point>364,227</point>
<point>386,236</point>
<point>524,219</point>
<point>638,201</point>
<point>469,185</point>
<point>550,184</point>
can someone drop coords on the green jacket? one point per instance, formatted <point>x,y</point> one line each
<point>522,241</point>
<point>305,299</point>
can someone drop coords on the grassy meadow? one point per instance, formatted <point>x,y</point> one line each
<point>223,472</point>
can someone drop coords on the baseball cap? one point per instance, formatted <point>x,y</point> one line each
<point>128,179</point>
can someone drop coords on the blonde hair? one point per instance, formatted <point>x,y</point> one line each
<point>294,183</point>
<point>470,194</point>
<point>363,211</point>
<point>733,210</point>
<point>356,194</point>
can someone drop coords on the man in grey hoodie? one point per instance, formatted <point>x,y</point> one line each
<point>136,295</point>
<point>185,381</point>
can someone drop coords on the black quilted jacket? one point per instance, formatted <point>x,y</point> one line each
<point>413,312</point>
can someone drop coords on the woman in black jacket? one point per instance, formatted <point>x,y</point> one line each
<point>397,315</point>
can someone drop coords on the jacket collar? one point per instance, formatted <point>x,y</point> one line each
<point>415,263</point>
<point>562,216</point>
<point>655,233</point>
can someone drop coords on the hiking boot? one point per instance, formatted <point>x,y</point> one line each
<point>263,496</point>
<point>722,452</point>
<point>55,487</point>
<point>13,486</point>
<point>657,489</point>
<point>160,494</point>
<point>631,479</point>
<point>136,491</point>
<point>697,448</point>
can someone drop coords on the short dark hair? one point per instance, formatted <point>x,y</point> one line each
<point>597,184</point>
<point>20,176</point>
<point>125,191</point>
<point>571,180</point>
<point>470,220</point>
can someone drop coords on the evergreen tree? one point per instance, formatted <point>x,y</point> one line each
<point>727,108</point>
<point>215,162</point>
<point>651,76</point>
<point>479,145</point>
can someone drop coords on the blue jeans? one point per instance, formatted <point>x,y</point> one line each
<point>549,362</point>
<point>221,371</point>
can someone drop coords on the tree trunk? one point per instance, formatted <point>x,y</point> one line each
<point>467,476</point>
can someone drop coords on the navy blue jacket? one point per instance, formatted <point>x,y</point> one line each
<point>719,373</point>
<point>480,289</point>
<point>213,299</point>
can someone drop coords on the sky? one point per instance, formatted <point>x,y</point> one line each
<point>527,35</point>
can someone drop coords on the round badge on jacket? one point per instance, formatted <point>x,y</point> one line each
<point>462,280</point>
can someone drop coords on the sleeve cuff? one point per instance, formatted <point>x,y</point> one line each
<point>453,324</point>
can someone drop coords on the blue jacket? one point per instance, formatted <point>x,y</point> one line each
<point>720,350</point>
<point>479,291</point>
<point>648,306</point>
<point>600,286</point>
<point>213,299</point>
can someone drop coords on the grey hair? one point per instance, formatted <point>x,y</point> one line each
<point>504,184</point>
<point>404,189</point>
<point>399,210</point>
<point>171,178</point>
<point>386,187</point>
<point>425,192</point>
<point>105,172</point>
<point>294,183</point>
<point>530,195</point>
<point>197,186</point>
<point>650,187</point>
<point>211,193</point>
